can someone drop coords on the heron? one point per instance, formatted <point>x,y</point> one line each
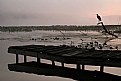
<point>99,18</point>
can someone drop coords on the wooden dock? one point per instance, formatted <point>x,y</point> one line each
<point>69,55</point>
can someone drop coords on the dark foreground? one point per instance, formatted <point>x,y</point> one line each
<point>69,55</point>
<point>49,70</point>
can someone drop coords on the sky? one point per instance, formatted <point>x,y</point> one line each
<point>59,12</point>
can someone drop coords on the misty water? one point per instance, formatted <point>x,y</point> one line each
<point>47,38</point>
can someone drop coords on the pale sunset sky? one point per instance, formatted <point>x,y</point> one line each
<point>59,12</point>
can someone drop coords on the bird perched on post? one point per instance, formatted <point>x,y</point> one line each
<point>99,18</point>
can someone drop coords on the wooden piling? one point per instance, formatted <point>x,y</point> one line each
<point>78,66</point>
<point>25,58</point>
<point>83,67</point>
<point>62,64</point>
<point>53,63</point>
<point>17,59</point>
<point>101,68</point>
<point>38,60</point>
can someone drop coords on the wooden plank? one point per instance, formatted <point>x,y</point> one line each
<point>57,50</point>
<point>73,53</point>
<point>87,53</point>
<point>62,52</point>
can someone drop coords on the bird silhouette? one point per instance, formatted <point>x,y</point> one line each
<point>99,18</point>
<point>106,31</point>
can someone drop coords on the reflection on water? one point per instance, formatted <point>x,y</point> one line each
<point>49,70</point>
<point>46,38</point>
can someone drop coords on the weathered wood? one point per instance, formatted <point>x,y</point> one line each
<point>70,55</point>
<point>106,31</point>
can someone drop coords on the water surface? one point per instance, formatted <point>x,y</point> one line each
<point>46,38</point>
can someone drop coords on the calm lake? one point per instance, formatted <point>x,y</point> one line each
<point>48,38</point>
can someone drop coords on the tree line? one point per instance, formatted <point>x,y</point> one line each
<point>58,28</point>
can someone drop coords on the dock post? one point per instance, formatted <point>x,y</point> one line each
<point>62,64</point>
<point>25,59</point>
<point>17,58</point>
<point>83,67</point>
<point>38,60</point>
<point>53,63</point>
<point>78,66</point>
<point>101,68</point>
